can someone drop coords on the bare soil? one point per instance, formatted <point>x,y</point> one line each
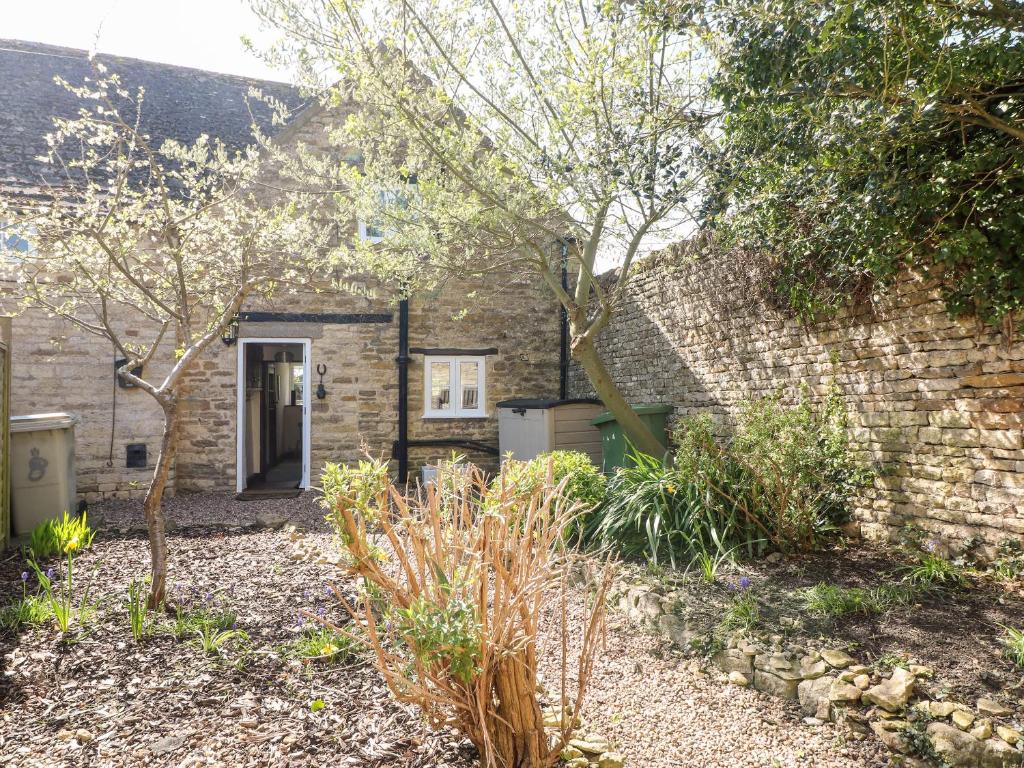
<point>955,632</point>
<point>165,702</point>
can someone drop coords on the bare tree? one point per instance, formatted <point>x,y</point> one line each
<point>526,127</point>
<point>156,248</point>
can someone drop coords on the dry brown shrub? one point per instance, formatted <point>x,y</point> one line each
<point>455,578</point>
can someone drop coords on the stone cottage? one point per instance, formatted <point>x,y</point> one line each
<point>294,385</point>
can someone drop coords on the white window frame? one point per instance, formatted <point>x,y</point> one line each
<point>455,387</point>
<point>385,197</point>
<point>368,238</point>
<point>11,254</point>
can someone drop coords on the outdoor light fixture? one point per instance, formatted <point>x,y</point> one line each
<point>321,393</point>
<point>230,335</point>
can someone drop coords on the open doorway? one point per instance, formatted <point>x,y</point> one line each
<point>273,416</point>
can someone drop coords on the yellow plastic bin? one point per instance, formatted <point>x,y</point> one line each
<point>42,468</point>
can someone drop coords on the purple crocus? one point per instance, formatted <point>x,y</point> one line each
<point>49,573</point>
<point>321,611</point>
<point>24,575</point>
<point>234,625</point>
<point>301,621</point>
<point>208,597</point>
<point>328,591</point>
<point>744,582</point>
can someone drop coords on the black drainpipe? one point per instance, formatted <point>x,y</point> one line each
<point>402,446</point>
<point>563,319</point>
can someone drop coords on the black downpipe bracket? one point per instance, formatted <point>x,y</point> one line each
<point>563,331</point>
<point>403,359</point>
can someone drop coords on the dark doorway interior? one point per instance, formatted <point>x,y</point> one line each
<point>273,417</point>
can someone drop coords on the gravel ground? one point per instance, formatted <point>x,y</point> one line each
<point>164,703</point>
<point>663,711</point>
<point>199,510</point>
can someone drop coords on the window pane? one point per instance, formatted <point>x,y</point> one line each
<point>469,376</point>
<point>440,388</point>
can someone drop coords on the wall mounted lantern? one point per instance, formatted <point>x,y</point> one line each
<point>230,335</point>
<point>321,393</point>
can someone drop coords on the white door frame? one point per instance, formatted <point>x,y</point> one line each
<point>307,345</point>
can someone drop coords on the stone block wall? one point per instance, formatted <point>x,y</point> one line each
<point>60,367</point>
<point>936,403</point>
<point>57,366</point>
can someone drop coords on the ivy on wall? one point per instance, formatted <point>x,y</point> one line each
<point>860,137</point>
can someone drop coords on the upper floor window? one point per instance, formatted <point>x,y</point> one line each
<point>454,387</point>
<point>15,242</point>
<point>392,203</point>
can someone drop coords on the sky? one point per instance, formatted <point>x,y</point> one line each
<point>194,33</point>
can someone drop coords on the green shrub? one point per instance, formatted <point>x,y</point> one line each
<point>445,633</point>
<point>361,484</point>
<point>663,513</point>
<point>65,535</point>
<point>784,480</point>
<point>322,643</point>
<point>796,467</point>
<point>1013,645</point>
<point>585,484</point>
<point>787,471</point>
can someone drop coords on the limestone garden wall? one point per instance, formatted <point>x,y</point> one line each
<point>936,403</point>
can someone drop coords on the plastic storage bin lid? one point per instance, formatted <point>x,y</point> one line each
<point>641,410</point>
<point>37,422</point>
<point>543,403</point>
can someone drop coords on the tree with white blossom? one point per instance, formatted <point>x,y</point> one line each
<point>526,126</point>
<point>155,246</point>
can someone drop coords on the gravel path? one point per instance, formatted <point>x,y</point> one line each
<point>164,703</point>
<point>651,704</point>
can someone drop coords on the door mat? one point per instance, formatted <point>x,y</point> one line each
<point>268,493</point>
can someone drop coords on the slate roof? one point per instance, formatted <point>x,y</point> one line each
<point>180,103</point>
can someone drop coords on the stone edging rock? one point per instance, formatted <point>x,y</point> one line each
<point>831,686</point>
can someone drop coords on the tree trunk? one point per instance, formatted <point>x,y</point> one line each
<point>636,430</point>
<point>152,507</point>
<point>518,737</point>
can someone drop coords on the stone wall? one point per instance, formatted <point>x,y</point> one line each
<point>519,319</point>
<point>56,366</point>
<point>60,367</point>
<point>936,404</point>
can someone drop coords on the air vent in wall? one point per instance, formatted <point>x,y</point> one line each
<point>136,456</point>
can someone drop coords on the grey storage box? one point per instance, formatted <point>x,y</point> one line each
<point>42,468</point>
<point>529,427</point>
